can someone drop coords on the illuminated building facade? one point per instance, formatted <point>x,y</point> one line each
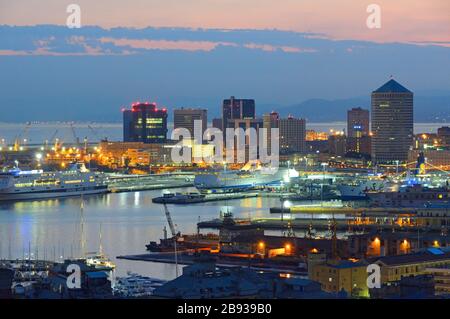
<point>394,268</point>
<point>346,275</point>
<point>292,135</point>
<point>145,122</point>
<point>443,134</point>
<point>184,118</point>
<point>270,121</point>
<point>392,122</point>
<point>237,109</point>
<point>337,144</point>
<point>358,139</point>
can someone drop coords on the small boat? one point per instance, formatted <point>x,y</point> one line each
<point>179,198</point>
<point>136,286</point>
<point>99,260</point>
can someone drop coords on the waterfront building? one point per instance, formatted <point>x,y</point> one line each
<point>145,122</point>
<point>424,141</point>
<point>392,122</point>
<point>237,109</point>
<point>375,244</point>
<point>411,287</point>
<point>437,157</point>
<point>337,144</point>
<point>185,117</point>
<point>292,135</point>
<point>444,135</point>
<point>393,268</point>
<point>342,275</point>
<point>441,275</point>
<point>358,139</point>
<point>121,154</point>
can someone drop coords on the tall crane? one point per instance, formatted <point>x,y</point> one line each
<point>174,236</point>
<point>17,140</point>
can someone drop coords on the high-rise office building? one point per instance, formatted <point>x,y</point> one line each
<point>292,135</point>
<point>145,122</point>
<point>246,124</point>
<point>237,109</point>
<point>270,121</point>
<point>358,139</point>
<point>443,134</point>
<point>392,122</point>
<point>217,123</point>
<point>185,117</point>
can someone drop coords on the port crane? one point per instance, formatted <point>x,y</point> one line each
<point>174,235</point>
<point>23,133</point>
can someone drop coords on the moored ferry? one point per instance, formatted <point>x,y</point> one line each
<point>37,184</point>
<point>248,177</point>
<point>411,196</point>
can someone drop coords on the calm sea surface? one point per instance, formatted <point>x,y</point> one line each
<point>128,222</point>
<point>38,133</point>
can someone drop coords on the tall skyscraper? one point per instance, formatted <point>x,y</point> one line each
<point>358,139</point>
<point>217,123</point>
<point>184,118</point>
<point>270,121</point>
<point>292,135</point>
<point>392,122</point>
<point>145,123</point>
<point>237,109</point>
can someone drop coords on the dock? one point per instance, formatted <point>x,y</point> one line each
<point>322,224</point>
<point>367,211</point>
<point>181,200</point>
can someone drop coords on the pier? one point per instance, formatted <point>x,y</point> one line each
<point>182,199</point>
<point>367,211</point>
<point>304,224</point>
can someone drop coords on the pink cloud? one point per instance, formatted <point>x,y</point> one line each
<point>166,44</point>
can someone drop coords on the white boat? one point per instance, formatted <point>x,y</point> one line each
<point>359,189</point>
<point>100,260</point>
<point>136,286</point>
<point>245,178</point>
<point>37,184</point>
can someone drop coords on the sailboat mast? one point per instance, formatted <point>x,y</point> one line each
<point>82,241</point>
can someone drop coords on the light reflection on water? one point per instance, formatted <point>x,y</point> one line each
<point>129,221</point>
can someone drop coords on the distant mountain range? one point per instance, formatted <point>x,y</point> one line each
<point>426,108</point>
<point>53,73</point>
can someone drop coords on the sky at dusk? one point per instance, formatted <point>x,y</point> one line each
<point>402,20</point>
<point>197,52</point>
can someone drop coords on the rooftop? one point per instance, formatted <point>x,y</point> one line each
<point>415,258</point>
<point>392,86</point>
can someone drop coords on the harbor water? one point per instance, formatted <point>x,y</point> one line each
<point>51,229</point>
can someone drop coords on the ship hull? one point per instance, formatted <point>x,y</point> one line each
<point>234,182</point>
<point>57,193</point>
